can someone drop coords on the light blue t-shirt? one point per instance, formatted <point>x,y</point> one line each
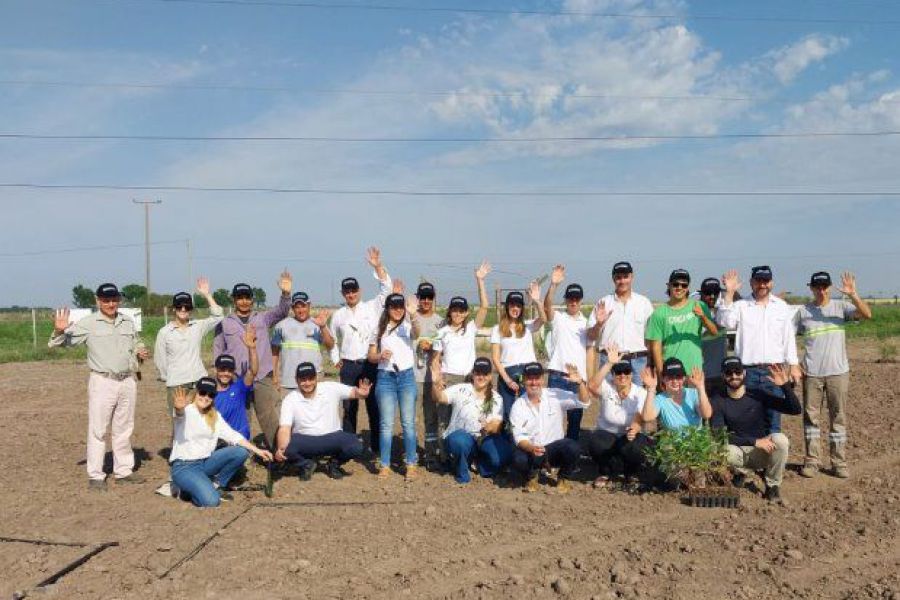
<point>673,416</point>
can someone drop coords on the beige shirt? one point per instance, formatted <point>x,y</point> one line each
<point>111,344</point>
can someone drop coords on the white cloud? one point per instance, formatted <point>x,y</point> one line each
<point>790,61</point>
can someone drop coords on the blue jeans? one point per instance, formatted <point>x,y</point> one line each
<point>196,477</point>
<point>757,378</point>
<point>558,380</point>
<point>492,454</point>
<point>637,364</point>
<point>514,371</point>
<point>393,389</point>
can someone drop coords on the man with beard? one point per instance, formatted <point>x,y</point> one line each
<point>742,413</point>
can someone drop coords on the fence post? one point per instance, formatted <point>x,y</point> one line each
<point>34,328</point>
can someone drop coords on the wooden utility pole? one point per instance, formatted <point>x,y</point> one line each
<point>147,204</point>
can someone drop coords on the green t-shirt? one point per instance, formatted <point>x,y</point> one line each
<point>679,331</point>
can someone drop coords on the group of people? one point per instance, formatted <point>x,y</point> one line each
<point>645,367</point>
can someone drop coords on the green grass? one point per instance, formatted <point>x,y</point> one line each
<point>885,323</point>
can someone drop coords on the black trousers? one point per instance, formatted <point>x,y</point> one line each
<point>339,445</point>
<point>351,373</point>
<point>615,455</point>
<point>562,453</point>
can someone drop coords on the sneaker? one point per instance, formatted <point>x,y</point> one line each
<point>412,473</point>
<point>168,489</point>
<point>531,485</point>
<point>335,471</point>
<point>738,480</point>
<point>842,472</point>
<point>563,486</point>
<point>133,478</point>
<point>809,471</point>
<point>601,482</point>
<point>306,471</point>
<point>384,472</point>
<point>225,496</point>
<point>773,494</point>
<point>97,485</point>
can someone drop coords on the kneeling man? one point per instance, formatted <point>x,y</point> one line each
<point>310,424</point>
<point>742,413</point>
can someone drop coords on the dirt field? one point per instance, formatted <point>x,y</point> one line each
<point>361,538</point>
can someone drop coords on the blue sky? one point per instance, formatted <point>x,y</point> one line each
<point>505,76</point>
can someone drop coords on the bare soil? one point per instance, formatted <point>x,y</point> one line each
<point>364,538</point>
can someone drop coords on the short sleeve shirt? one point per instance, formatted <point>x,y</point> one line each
<point>399,341</point>
<point>457,348</point>
<point>515,350</point>
<point>569,342</point>
<point>470,412</point>
<point>679,331</point>
<point>232,405</point>
<point>625,323</point>
<point>319,415</point>
<point>299,342</point>
<point>674,416</point>
<point>822,328</point>
<point>617,413</point>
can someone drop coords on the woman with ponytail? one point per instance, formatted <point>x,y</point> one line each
<point>473,434</point>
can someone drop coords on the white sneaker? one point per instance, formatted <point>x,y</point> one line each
<point>169,490</point>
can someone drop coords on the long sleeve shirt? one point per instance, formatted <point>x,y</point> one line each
<point>112,344</point>
<point>353,327</point>
<point>194,440</point>
<point>542,424</point>
<point>765,332</point>
<point>230,337</point>
<point>745,418</point>
<point>177,350</point>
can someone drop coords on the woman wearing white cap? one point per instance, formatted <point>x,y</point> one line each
<point>474,430</point>
<point>454,346</point>
<point>391,347</point>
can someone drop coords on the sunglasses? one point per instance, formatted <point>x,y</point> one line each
<point>733,372</point>
<point>205,394</point>
<point>683,285</point>
<point>622,372</point>
<point>184,307</point>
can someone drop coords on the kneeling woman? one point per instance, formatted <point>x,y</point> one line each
<point>198,469</point>
<point>474,430</point>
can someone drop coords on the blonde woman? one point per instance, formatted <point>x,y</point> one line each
<point>197,468</point>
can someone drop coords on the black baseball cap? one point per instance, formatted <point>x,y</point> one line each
<point>482,365</point>
<point>349,284</point>
<point>241,289</point>
<point>207,386</point>
<point>394,300</point>
<point>108,290</point>
<point>732,363</point>
<point>622,268</point>
<point>226,361</point>
<point>299,297</point>
<point>305,370</point>
<point>532,369</point>
<point>762,272</point>
<point>573,290</point>
<point>710,285</point>
<point>622,367</point>
<point>458,302</point>
<point>820,279</point>
<point>673,368</point>
<point>679,275</point>
<point>515,298</point>
<point>425,290</point>
<point>183,299</point>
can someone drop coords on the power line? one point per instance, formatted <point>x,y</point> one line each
<point>84,249</point>
<point>453,193</point>
<point>450,140</point>
<point>398,8</point>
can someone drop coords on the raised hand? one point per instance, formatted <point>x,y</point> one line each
<point>180,398</point>
<point>321,318</point>
<point>61,319</point>
<point>412,305</point>
<point>572,374</point>
<point>203,286</point>
<point>482,271</point>
<point>142,354</point>
<point>558,274</point>
<point>285,282</point>
<point>731,281</point>
<point>848,283</point>
<point>697,378</point>
<point>600,312</point>
<point>250,337</point>
<point>363,388</point>
<point>612,353</point>
<point>373,257</point>
<point>397,286</point>
<point>534,291</point>
<point>648,377</point>
<point>778,375</point>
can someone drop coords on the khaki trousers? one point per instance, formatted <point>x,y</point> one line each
<point>267,405</point>
<point>752,458</point>
<point>111,406</point>
<point>832,391</point>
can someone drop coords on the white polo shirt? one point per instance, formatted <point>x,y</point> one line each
<point>469,411</point>
<point>399,341</point>
<point>319,415</point>
<point>625,322</point>
<point>617,413</point>
<point>353,327</point>
<point>569,342</point>
<point>516,350</point>
<point>457,348</point>
<point>542,424</point>
<point>765,333</point>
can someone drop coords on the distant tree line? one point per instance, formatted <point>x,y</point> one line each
<point>135,295</point>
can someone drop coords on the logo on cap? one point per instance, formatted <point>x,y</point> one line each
<point>183,299</point>
<point>621,368</point>
<point>673,368</point>
<point>622,268</point>
<point>299,297</point>
<point>515,298</point>
<point>482,365</point>
<point>425,290</point>
<point>732,363</point>
<point>395,300</point>
<point>108,290</point>
<point>710,285</point>
<point>305,370</point>
<point>762,272</point>
<point>820,278</point>
<point>458,302</point>
<point>350,284</point>
<point>241,290</point>
<point>573,290</point>
<point>206,385</point>
<point>226,361</point>
<point>679,275</point>
<point>532,369</point>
